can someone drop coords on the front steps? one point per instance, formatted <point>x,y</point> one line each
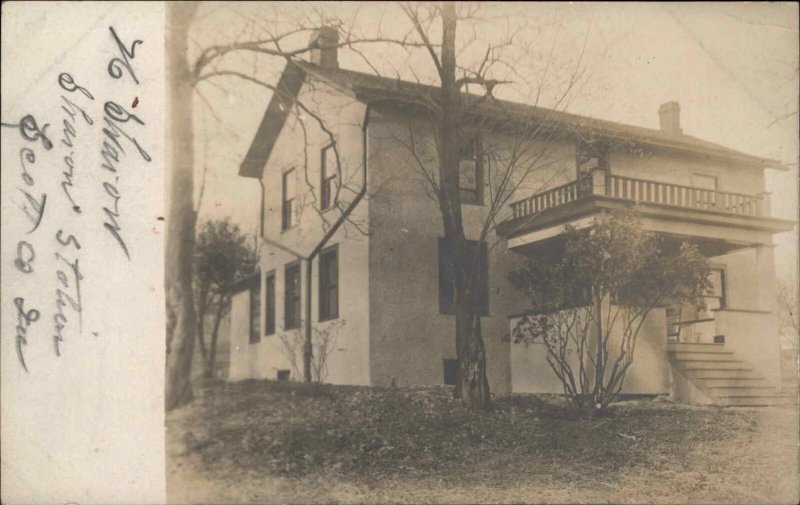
<point>708,374</point>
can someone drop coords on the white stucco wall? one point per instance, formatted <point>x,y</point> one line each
<point>348,361</point>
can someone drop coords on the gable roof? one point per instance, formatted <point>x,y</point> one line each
<point>375,89</point>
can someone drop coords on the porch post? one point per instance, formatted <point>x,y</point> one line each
<point>763,209</point>
<point>765,268</point>
<point>598,181</point>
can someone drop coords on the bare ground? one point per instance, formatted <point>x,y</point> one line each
<point>270,442</point>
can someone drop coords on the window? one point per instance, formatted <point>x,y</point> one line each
<point>705,199</point>
<point>673,323</point>
<point>328,172</point>
<point>715,298</point>
<point>471,172</point>
<point>287,199</point>
<point>450,371</point>
<point>255,313</point>
<point>283,375</point>
<point>291,299</point>
<point>446,285</point>
<point>269,302</point>
<point>591,156</point>
<point>329,284</point>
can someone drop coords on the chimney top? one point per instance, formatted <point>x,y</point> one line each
<point>324,47</point>
<point>669,115</point>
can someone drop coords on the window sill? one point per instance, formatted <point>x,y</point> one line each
<point>453,314</point>
<point>326,319</point>
<point>284,230</point>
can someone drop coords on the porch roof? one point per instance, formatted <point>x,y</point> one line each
<point>718,229</point>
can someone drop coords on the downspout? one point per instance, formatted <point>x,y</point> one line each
<point>307,348</point>
<point>261,213</point>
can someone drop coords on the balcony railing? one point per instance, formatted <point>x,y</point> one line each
<point>643,191</point>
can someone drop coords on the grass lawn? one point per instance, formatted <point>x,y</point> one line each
<point>283,442</point>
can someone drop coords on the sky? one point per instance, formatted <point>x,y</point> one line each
<point>732,67</point>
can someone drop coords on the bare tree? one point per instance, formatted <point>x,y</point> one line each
<point>324,342</point>
<point>597,294</point>
<point>181,316</point>
<point>453,114</point>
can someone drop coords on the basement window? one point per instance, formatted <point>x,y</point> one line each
<point>283,375</point>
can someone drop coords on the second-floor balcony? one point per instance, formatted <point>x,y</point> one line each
<point>722,220</point>
<point>644,191</point>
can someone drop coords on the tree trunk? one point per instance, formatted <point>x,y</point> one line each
<point>472,386</point>
<point>212,354</point>
<point>202,306</point>
<point>181,220</point>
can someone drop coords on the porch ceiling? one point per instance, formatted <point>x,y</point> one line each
<point>716,231</point>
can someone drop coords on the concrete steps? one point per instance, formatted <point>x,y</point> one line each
<point>725,374</point>
<point>721,377</point>
<point>730,382</point>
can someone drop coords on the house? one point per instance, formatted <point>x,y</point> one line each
<point>378,295</point>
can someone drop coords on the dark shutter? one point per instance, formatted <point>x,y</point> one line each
<point>450,371</point>
<point>446,280</point>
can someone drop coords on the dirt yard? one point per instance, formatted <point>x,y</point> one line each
<point>271,442</point>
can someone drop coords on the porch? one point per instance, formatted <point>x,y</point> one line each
<point>726,354</point>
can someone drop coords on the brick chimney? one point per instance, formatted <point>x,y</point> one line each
<point>324,52</point>
<point>669,115</point>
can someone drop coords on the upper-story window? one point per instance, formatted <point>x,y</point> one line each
<point>329,173</point>
<point>470,167</point>
<point>287,199</point>
<point>591,156</point>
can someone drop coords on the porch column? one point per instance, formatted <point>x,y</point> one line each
<point>599,181</point>
<point>763,209</point>
<point>765,268</point>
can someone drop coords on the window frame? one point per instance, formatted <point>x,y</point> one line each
<point>254,313</point>
<point>327,181</point>
<point>269,304</point>
<point>287,205</point>
<point>447,287</point>
<point>325,285</point>
<point>471,196</point>
<point>295,299</point>
<point>723,287</point>
<point>585,151</point>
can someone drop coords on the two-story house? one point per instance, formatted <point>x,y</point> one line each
<point>378,285</point>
